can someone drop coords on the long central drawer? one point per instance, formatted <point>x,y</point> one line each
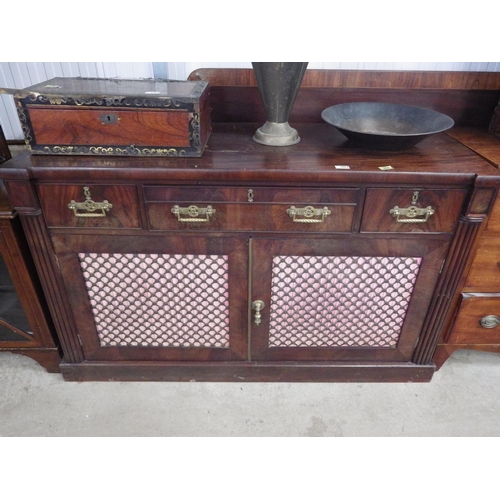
<point>250,209</point>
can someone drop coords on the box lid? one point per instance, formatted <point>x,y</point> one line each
<point>114,87</point>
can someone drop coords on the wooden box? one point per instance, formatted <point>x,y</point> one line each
<point>92,116</point>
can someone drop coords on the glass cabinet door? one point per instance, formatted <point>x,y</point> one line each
<point>14,326</point>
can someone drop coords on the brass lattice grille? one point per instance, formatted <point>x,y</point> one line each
<point>149,300</point>
<point>340,301</point>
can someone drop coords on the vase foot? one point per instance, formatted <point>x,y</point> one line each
<point>276,134</point>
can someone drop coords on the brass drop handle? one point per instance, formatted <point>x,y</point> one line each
<point>193,213</point>
<point>412,214</point>
<point>89,208</point>
<point>490,321</point>
<point>310,214</point>
<point>257,306</point>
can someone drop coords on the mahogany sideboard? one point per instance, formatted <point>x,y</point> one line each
<point>255,263</point>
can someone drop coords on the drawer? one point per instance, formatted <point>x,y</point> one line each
<point>256,209</point>
<point>412,210</point>
<point>478,320</point>
<point>244,195</point>
<point>484,274</point>
<point>90,205</point>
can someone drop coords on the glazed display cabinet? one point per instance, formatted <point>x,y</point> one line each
<point>25,324</point>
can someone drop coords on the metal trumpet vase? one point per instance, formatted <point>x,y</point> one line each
<point>278,84</point>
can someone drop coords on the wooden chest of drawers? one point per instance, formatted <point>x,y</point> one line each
<point>254,263</point>
<point>476,322</point>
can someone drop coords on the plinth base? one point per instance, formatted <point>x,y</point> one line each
<point>276,134</point>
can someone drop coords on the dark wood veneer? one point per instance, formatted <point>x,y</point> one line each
<point>379,203</point>
<point>124,214</point>
<point>444,80</point>
<point>84,126</point>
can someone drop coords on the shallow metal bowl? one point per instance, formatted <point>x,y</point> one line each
<point>385,126</point>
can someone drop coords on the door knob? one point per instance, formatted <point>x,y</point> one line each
<point>257,306</point>
<point>491,321</point>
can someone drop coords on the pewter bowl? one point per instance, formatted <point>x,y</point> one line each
<point>385,126</point>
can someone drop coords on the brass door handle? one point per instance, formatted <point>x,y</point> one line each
<point>310,214</point>
<point>193,213</point>
<point>89,208</point>
<point>490,321</point>
<point>257,306</point>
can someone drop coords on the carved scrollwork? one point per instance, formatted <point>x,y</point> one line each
<point>109,151</point>
<point>164,152</point>
<point>24,124</point>
<point>58,100</point>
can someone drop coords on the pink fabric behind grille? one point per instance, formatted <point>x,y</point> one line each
<point>158,300</point>
<point>340,301</point>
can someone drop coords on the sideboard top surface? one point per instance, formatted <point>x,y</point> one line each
<point>232,155</point>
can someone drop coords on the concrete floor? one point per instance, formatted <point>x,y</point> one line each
<point>463,399</point>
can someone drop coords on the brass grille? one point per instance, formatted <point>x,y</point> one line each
<point>151,300</point>
<point>340,301</point>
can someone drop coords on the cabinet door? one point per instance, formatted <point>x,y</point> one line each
<point>14,327</point>
<point>341,299</point>
<point>24,318</point>
<point>157,298</point>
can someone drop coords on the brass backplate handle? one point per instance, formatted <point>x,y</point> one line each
<point>412,214</point>
<point>490,321</point>
<point>257,306</point>
<point>89,208</point>
<point>193,213</point>
<point>310,214</point>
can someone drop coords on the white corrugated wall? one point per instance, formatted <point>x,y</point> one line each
<point>181,70</point>
<point>24,74</point>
